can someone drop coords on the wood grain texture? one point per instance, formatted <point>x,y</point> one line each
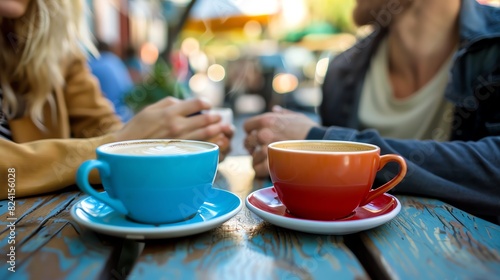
<point>50,245</point>
<point>245,247</point>
<point>433,240</point>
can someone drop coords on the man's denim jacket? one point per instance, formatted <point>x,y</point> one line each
<point>464,171</point>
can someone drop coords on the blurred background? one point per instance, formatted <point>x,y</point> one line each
<point>246,55</point>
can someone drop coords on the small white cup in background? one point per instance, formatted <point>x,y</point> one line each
<point>225,113</point>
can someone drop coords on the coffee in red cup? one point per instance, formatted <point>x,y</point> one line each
<point>328,180</point>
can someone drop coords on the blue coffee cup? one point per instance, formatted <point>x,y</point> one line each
<point>153,181</point>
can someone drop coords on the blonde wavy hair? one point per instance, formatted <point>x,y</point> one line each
<point>33,51</point>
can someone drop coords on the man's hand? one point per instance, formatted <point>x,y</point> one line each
<point>279,125</point>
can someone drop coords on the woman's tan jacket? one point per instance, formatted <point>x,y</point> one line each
<point>46,161</point>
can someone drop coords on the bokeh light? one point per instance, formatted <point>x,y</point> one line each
<point>252,29</point>
<point>198,61</point>
<point>198,82</point>
<point>189,46</point>
<point>285,83</point>
<point>216,72</point>
<point>321,68</point>
<point>149,53</point>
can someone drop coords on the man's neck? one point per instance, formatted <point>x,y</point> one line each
<point>420,40</point>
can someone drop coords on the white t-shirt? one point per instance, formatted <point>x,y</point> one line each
<point>424,115</point>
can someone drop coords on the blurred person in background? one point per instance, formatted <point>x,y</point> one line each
<point>426,85</point>
<point>53,113</point>
<point>114,79</point>
<point>135,67</point>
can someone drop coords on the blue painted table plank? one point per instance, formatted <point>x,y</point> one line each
<point>50,245</point>
<point>247,248</point>
<point>433,240</point>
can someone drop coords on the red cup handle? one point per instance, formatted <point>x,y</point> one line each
<point>392,183</point>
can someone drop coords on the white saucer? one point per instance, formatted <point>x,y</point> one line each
<point>266,204</point>
<point>102,218</point>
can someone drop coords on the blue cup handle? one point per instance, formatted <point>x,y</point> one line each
<point>82,181</point>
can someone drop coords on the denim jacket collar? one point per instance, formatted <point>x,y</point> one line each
<point>476,57</point>
<point>478,22</point>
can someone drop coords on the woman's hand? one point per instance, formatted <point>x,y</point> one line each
<point>171,118</point>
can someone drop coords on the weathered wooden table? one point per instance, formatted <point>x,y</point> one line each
<point>427,240</point>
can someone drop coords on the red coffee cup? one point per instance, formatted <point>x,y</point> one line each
<point>328,180</point>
